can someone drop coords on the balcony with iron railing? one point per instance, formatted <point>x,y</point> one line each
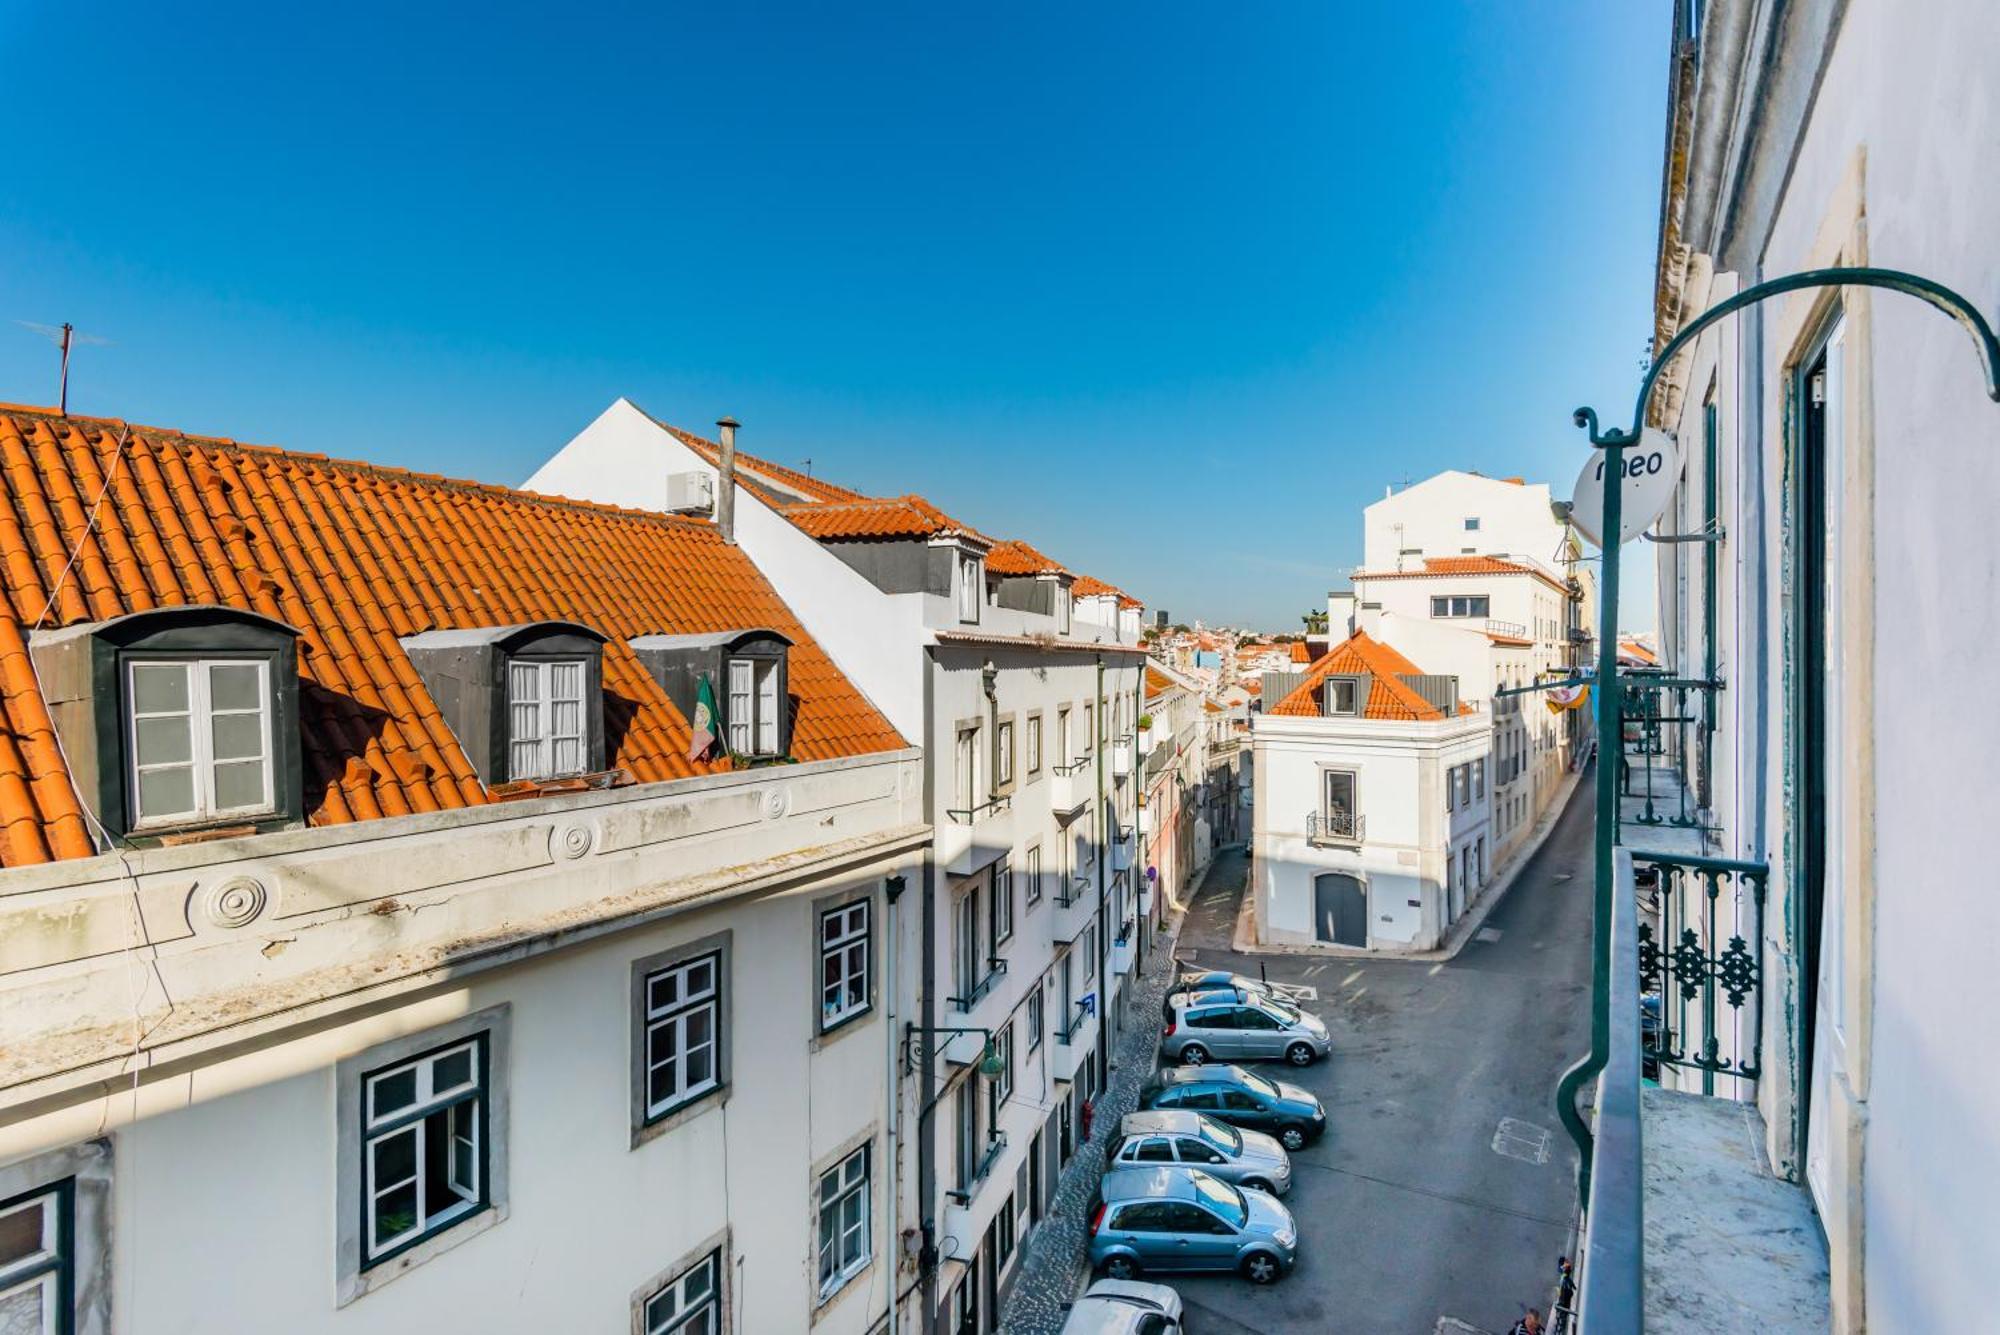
<point>1336,828</point>
<point>1685,1225</point>
<point>1070,786</point>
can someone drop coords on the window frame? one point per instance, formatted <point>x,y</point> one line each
<point>1003,754</point>
<point>475,1092</point>
<point>970,581</point>
<point>1031,743</point>
<point>714,1251</point>
<point>1477,606</point>
<point>647,1121</point>
<point>1037,1016</point>
<point>494,1025</point>
<point>1000,905</point>
<point>1352,685</point>
<point>544,667</point>
<point>200,715</point>
<point>1031,876</point>
<point>844,906</point>
<point>765,728</point>
<point>827,1287</point>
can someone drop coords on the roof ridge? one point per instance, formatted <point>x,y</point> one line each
<point>360,467</point>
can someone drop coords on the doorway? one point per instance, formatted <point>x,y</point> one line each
<point>1340,909</point>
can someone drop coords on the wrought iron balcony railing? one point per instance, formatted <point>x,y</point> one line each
<point>1336,827</point>
<point>1067,1034</point>
<point>1701,933</point>
<point>995,969</point>
<point>996,1144</point>
<point>967,815</point>
<point>1071,890</point>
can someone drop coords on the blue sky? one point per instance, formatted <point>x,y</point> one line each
<point>1170,290</point>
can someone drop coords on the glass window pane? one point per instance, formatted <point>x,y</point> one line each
<point>395,1158</point>
<point>451,1070</point>
<point>237,736</point>
<point>160,688</point>
<point>392,1092</point>
<point>524,682</point>
<point>660,1080</point>
<point>166,792</point>
<point>22,1230</point>
<point>166,740</point>
<point>25,1310</point>
<point>663,990</point>
<point>567,684</point>
<point>395,1214</point>
<point>240,784</point>
<point>235,686</point>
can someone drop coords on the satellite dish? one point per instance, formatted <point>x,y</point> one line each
<point>1652,469</point>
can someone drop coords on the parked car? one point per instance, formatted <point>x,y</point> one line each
<point>1201,1025</point>
<point>1217,980</point>
<point>1125,1307</point>
<point>1239,1097</point>
<point>1184,1219</point>
<point>1247,1158</point>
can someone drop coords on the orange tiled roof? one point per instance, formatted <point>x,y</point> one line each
<point>1210,707</point>
<point>1638,651</point>
<point>1088,586</point>
<point>1301,654</point>
<point>803,484</point>
<point>1435,566</point>
<point>1013,557</point>
<point>1158,682</point>
<point>888,518</point>
<point>1388,696</point>
<point>355,556</point>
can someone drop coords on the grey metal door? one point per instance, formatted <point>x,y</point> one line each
<point>1340,909</point>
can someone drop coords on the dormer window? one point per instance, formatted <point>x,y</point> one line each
<point>1065,605</point>
<point>747,670</point>
<point>178,719</point>
<point>754,705</point>
<point>526,702</point>
<point>971,586</point>
<point>547,736</point>
<point>200,739</point>
<point>1343,696</point>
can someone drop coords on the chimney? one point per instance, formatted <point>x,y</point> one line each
<point>725,481</point>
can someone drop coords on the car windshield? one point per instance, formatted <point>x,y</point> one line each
<point>1284,1013</point>
<point>1257,1084</point>
<point>1225,1138</point>
<point>1222,1198</point>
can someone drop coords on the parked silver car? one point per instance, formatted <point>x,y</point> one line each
<point>1184,1219</point>
<point>1217,980</point>
<point>1202,1025</point>
<point>1125,1307</point>
<point>1247,1158</point>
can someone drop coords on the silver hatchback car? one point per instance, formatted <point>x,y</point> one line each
<point>1183,1219</point>
<point>1204,1025</point>
<point>1247,1158</point>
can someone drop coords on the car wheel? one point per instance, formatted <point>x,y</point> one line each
<point>1256,1184</point>
<point>1194,1054</point>
<point>1121,1267</point>
<point>1299,1054</point>
<point>1260,1267</point>
<point>1292,1137</point>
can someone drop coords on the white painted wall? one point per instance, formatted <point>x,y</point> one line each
<point>1513,520</point>
<point>1399,770</point>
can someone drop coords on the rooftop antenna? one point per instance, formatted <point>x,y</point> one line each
<point>808,463</point>
<point>65,338</point>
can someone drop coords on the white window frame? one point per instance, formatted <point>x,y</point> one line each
<point>200,715</point>
<point>544,738</point>
<point>844,1250</point>
<point>845,944</point>
<point>669,1022</point>
<point>754,710</point>
<point>1353,689</point>
<point>1003,1047</point>
<point>1037,1017</point>
<point>971,590</point>
<point>1001,907</point>
<point>1031,874</point>
<point>1461,605</point>
<point>689,1300</point>
<point>466,1129</point>
<point>1032,742</point>
<point>1003,755</point>
<point>47,1271</point>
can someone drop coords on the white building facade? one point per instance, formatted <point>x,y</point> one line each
<point>1372,826</point>
<point>1021,680</point>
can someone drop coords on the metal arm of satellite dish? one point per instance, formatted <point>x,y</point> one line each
<point>1610,719</point>
<point>1714,534</point>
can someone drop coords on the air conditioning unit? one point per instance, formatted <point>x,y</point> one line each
<point>689,493</point>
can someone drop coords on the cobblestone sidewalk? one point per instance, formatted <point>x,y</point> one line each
<point>1052,1260</point>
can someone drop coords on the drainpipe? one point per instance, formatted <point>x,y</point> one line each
<point>927,1074</point>
<point>892,891</point>
<point>1097,730</point>
<point>725,481</point>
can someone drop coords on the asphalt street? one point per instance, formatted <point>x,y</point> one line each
<point>1443,1187</point>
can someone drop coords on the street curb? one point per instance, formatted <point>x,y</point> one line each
<point>1243,941</point>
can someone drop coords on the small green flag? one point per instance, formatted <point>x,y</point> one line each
<point>706,740</point>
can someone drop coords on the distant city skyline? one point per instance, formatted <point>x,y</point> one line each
<point>1025,268</point>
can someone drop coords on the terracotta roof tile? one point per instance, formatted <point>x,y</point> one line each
<point>889,518</point>
<point>791,479</point>
<point>356,556</point>
<point>1158,682</point>
<point>1440,566</point>
<point>1013,557</point>
<point>1301,654</point>
<point>1388,696</point>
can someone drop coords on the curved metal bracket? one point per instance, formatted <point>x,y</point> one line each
<point>1923,289</point>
